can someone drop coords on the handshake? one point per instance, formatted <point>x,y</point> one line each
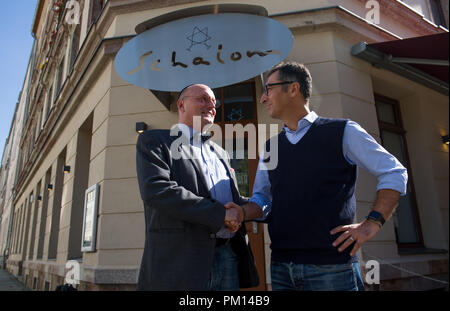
<point>234,216</point>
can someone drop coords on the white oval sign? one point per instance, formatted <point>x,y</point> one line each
<point>214,49</point>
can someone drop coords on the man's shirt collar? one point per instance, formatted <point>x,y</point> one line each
<point>302,123</point>
<point>191,133</point>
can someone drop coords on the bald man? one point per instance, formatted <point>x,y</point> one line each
<point>192,241</point>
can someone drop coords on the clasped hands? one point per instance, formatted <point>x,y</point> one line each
<point>233,217</point>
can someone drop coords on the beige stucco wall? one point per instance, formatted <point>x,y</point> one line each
<point>113,163</point>
<point>125,24</point>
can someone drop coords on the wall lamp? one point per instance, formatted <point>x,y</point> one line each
<point>445,139</point>
<point>66,168</point>
<point>39,198</point>
<point>141,127</point>
<point>49,187</point>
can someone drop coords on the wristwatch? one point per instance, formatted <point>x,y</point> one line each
<point>376,216</point>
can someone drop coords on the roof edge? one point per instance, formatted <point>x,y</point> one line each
<point>37,14</point>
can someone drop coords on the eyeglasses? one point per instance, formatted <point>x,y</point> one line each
<point>205,100</point>
<point>266,87</point>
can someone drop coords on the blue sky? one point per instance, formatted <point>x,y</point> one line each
<point>16,18</point>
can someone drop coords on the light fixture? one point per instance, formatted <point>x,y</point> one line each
<point>445,139</point>
<point>39,198</point>
<point>66,168</point>
<point>49,187</point>
<point>141,127</point>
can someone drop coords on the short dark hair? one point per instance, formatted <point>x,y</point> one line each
<point>293,71</point>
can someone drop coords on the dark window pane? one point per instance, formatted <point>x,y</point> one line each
<point>49,101</point>
<point>59,78</point>
<point>218,117</point>
<point>96,10</point>
<point>404,216</point>
<point>404,221</point>
<point>385,112</point>
<point>74,47</point>
<point>218,95</point>
<point>394,144</point>
<point>238,102</point>
<point>239,161</point>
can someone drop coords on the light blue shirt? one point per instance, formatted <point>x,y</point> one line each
<point>215,173</point>
<point>359,148</point>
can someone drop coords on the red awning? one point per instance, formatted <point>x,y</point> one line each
<point>433,47</point>
<point>421,59</point>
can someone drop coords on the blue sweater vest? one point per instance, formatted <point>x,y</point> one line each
<point>311,186</point>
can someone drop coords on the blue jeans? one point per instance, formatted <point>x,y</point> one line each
<point>224,272</point>
<point>308,277</point>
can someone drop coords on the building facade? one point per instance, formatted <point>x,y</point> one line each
<point>9,169</point>
<point>79,130</point>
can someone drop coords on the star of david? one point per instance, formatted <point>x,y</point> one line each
<point>199,36</point>
<point>235,115</point>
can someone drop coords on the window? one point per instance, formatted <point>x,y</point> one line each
<point>43,214</point>
<point>38,125</point>
<point>74,46</point>
<point>437,12</point>
<point>22,227</point>
<point>34,215</point>
<point>96,10</point>
<point>29,148</point>
<point>238,105</point>
<point>406,217</point>
<point>48,103</point>
<point>27,107</point>
<point>59,78</point>
<point>81,183</point>
<point>56,208</point>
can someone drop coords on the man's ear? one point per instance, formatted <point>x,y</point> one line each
<point>295,88</point>
<point>180,105</point>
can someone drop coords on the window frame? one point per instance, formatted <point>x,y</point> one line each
<point>399,129</point>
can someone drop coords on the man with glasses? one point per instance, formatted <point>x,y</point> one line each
<point>192,241</point>
<point>308,199</point>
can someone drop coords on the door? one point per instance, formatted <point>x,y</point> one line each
<point>238,107</point>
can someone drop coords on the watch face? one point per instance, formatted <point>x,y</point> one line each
<point>376,216</point>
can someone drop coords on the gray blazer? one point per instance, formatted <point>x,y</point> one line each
<point>182,218</point>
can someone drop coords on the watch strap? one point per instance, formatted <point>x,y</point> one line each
<point>374,215</point>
